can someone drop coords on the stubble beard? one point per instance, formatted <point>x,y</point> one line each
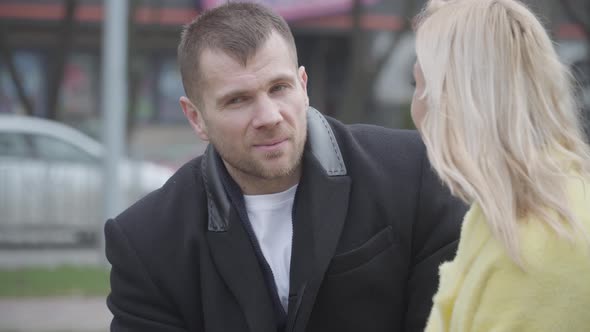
<point>258,168</point>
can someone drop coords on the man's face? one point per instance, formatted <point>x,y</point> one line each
<point>254,115</point>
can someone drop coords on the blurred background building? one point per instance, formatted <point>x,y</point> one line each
<point>358,54</point>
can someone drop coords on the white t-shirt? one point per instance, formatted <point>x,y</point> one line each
<point>271,219</point>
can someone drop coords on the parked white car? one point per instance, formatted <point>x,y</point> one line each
<point>51,184</point>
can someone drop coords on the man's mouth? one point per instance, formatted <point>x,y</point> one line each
<point>271,144</point>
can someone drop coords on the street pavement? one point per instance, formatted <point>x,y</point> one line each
<point>54,314</point>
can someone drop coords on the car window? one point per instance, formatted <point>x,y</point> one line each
<point>53,149</point>
<point>14,145</point>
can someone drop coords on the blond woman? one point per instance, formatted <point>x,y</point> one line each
<point>494,106</point>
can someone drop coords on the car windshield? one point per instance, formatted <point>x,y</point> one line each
<point>53,149</point>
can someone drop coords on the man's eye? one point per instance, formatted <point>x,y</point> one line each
<point>236,100</point>
<point>278,88</point>
<point>413,83</point>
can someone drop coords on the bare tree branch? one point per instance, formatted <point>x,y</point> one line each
<point>60,56</point>
<point>576,15</point>
<point>409,8</point>
<point>362,77</point>
<point>6,54</point>
<point>132,74</point>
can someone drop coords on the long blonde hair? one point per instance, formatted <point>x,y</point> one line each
<point>502,128</point>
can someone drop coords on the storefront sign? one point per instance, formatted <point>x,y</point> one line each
<point>299,9</point>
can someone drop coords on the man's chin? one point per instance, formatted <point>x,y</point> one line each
<point>274,169</point>
<point>276,172</point>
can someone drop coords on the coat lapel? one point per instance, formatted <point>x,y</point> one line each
<point>237,263</point>
<point>232,250</point>
<point>320,212</point>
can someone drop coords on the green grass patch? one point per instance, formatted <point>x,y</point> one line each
<point>61,281</point>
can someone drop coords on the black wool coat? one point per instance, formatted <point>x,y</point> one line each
<point>371,225</point>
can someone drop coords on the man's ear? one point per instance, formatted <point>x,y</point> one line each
<point>303,81</point>
<point>194,117</point>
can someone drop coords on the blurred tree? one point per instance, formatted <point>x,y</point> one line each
<point>317,73</point>
<point>7,58</point>
<point>59,56</point>
<point>133,67</point>
<point>363,69</point>
<point>547,11</point>
<point>579,12</point>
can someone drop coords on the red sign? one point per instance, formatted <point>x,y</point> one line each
<point>298,9</point>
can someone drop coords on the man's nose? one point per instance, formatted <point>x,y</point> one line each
<point>268,113</point>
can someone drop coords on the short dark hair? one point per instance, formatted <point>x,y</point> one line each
<point>238,29</point>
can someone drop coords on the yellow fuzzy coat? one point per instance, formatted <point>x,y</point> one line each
<point>483,290</point>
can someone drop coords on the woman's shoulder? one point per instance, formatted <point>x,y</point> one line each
<point>484,287</point>
<point>546,252</point>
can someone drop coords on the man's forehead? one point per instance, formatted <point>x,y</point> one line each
<point>212,59</point>
<point>216,65</point>
<point>270,59</point>
<point>274,42</point>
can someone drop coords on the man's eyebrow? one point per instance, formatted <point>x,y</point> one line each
<point>231,94</point>
<point>282,77</point>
